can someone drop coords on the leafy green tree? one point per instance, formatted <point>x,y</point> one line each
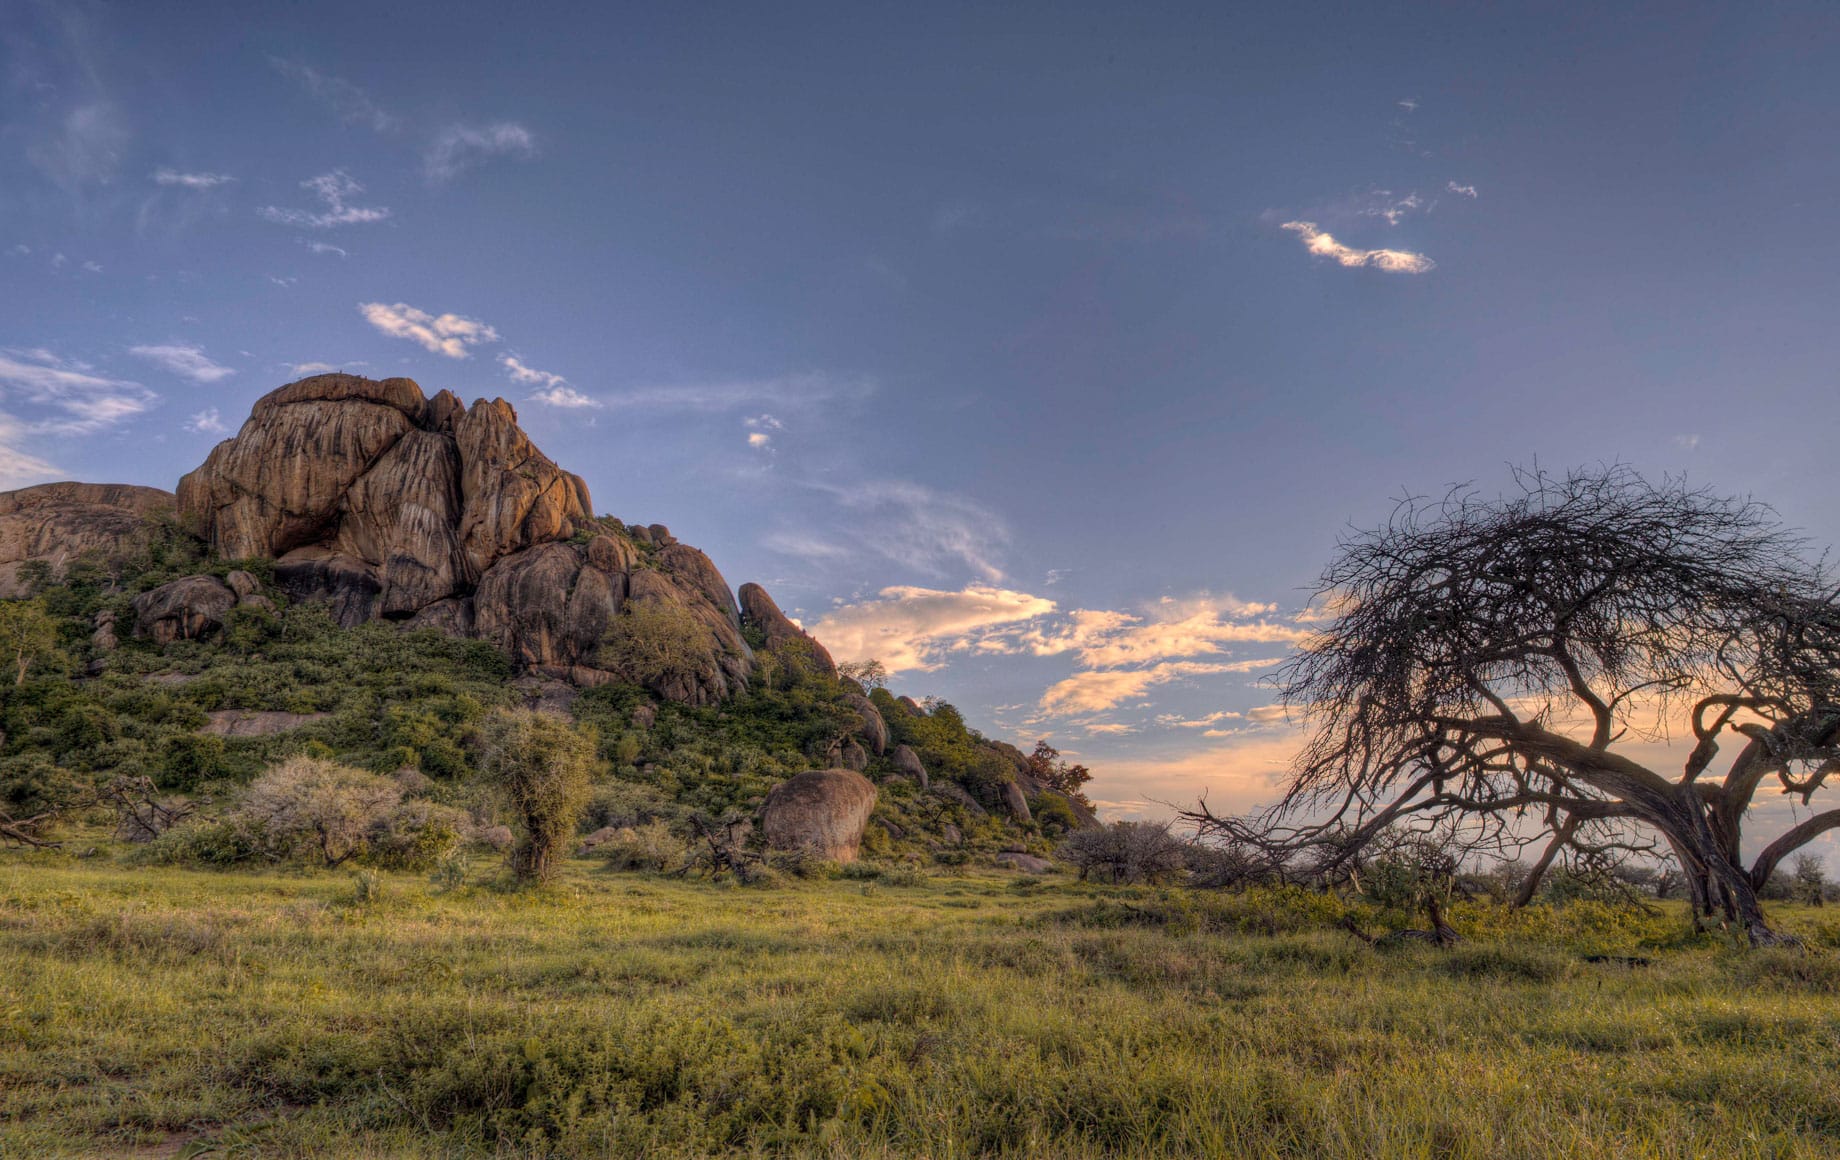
<point>655,644</point>
<point>542,764</point>
<point>870,674</point>
<point>27,635</point>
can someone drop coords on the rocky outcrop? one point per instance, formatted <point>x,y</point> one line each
<point>58,523</point>
<point>185,609</point>
<point>407,500</point>
<point>760,612</point>
<point>255,722</point>
<point>1016,803</point>
<point>907,763</point>
<point>1027,863</point>
<point>873,730</point>
<point>821,813</point>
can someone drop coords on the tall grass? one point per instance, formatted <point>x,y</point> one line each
<point>145,1010</point>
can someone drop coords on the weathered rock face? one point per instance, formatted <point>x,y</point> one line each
<point>822,812</point>
<point>185,609</point>
<point>759,611</point>
<point>60,522</point>
<point>411,499</point>
<point>512,496</point>
<point>1015,802</point>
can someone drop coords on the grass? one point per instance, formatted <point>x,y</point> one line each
<point>162,1012</point>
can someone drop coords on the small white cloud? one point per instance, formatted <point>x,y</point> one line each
<point>92,267</point>
<point>207,422</point>
<point>909,628</point>
<point>564,396</point>
<point>1394,210</point>
<point>333,190</point>
<point>59,261</point>
<point>1096,690</point>
<point>198,181</point>
<point>764,423</point>
<point>458,148</point>
<point>446,334</point>
<point>1686,442</point>
<point>320,368</point>
<point>527,375</point>
<point>186,361</point>
<point>1468,191</point>
<point>1325,246</point>
<point>1409,104</point>
<point>21,250</point>
<point>759,439</point>
<point>327,248</point>
<point>280,281</point>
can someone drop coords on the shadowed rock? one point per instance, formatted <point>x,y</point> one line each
<point>185,609</point>
<point>759,611</point>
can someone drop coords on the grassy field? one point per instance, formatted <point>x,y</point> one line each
<point>158,1012</point>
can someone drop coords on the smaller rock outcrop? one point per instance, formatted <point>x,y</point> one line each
<point>873,730</point>
<point>184,609</point>
<point>908,764</point>
<point>1015,802</point>
<point>1027,863</point>
<point>57,523</point>
<point>760,612</point>
<point>821,812</point>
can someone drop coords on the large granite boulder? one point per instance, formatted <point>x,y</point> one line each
<point>821,813</point>
<point>58,523</point>
<point>547,606</point>
<point>184,609</point>
<point>759,611</point>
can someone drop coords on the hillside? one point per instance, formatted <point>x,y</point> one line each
<point>364,572</point>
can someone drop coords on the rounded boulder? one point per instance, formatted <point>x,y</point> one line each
<point>821,812</point>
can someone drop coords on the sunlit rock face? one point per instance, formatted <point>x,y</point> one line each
<point>57,523</point>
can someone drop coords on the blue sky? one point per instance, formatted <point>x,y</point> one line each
<point>1042,351</point>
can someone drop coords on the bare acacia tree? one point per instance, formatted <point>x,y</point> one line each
<point>1487,658</point>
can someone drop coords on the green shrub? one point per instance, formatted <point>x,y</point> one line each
<point>541,765</point>
<point>651,846</point>
<point>186,760</point>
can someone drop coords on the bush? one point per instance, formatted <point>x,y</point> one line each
<point>655,644</point>
<point>188,759</point>
<point>540,763</point>
<point>416,835</point>
<point>649,847</point>
<point>313,808</point>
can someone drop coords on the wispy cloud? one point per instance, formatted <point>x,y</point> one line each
<point>199,181</point>
<point>785,392</point>
<point>1409,104</point>
<point>20,468</point>
<point>1468,191</point>
<point>1686,442</point>
<point>458,148</point>
<point>914,629</point>
<point>352,104</point>
<point>84,148</point>
<point>327,248</point>
<point>1096,690</point>
<point>1170,629</point>
<point>1324,245</point>
<point>1393,209</point>
<point>333,190</point>
<point>207,422</point>
<point>446,334</point>
<point>83,402</point>
<point>185,361</point>
<point>920,528</point>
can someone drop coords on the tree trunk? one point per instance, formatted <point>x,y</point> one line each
<point>1531,886</point>
<point>1689,831</point>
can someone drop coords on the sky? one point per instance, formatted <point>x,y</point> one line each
<point>1041,351</point>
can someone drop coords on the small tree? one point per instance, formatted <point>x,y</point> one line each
<point>1046,767</point>
<point>27,634</point>
<point>1126,852</point>
<point>1809,880</point>
<point>870,674</point>
<point>541,763</point>
<point>655,644</point>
